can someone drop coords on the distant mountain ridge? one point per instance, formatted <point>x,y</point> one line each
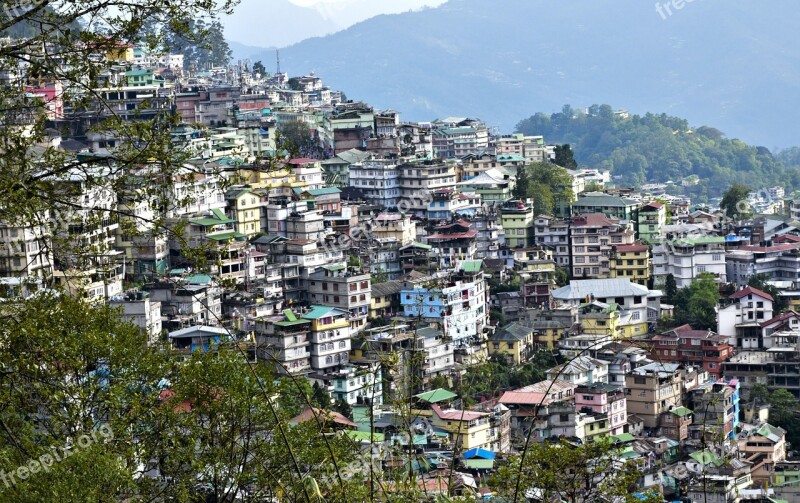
<point>729,64</point>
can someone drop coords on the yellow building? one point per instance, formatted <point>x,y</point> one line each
<point>468,429</point>
<point>514,341</point>
<point>598,318</point>
<point>631,262</point>
<point>121,52</point>
<point>278,181</point>
<point>594,427</point>
<point>244,208</point>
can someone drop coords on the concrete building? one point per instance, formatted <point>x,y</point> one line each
<point>593,236</point>
<point>686,258</point>
<point>345,288</point>
<point>517,221</point>
<point>329,335</point>
<point>632,262</point>
<point>378,180</point>
<point>740,319</point>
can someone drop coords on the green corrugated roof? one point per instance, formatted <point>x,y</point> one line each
<point>623,437</point>
<point>219,214</point>
<point>199,279</point>
<point>706,458</point>
<point>208,221</point>
<point>681,411</point>
<point>335,267</point>
<point>479,464</point>
<point>437,395</point>
<point>226,235</point>
<point>291,323</point>
<point>364,436</point>
<point>472,265</point>
<point>289,315</point>
<point>318,312</point>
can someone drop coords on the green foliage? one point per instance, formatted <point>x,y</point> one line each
<point>734,202</point>
<point>565,472</point>
<point>659,148</point>
<point>296,138</point>
<point>205,50</point>
<point>550,186</point>
<point>258,67</point>
<point>565,157</point>
<point>670,289</point>
<point>761,282</point>
<point>783,408</point>
<point>696,303</point>
<point>495,376</point>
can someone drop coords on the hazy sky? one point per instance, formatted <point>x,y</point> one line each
<point>267,23</point>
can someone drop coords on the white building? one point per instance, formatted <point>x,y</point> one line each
<point>378,180</point>
<point>139,310</point>
<point>740,321</point>
<point>358,385</point>
<point>686,258</point>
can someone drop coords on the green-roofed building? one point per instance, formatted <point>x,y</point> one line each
<point>436,396</point>
<point>283,340</point>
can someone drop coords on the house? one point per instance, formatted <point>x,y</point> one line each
<point>604,398</point>
<point>683,344</point>
<point>514,342</point>
<point>345,288</point>
<point>614,207</point>
<point>685,258</point>
<point>651,218</point>
<point>581,370</point>
<point>632,262</point>
<point>764,446</point>
<point>196,338</point>
<point>740,320</point>
<point>593,236</point>
<point>329,334</point>
<point>283,340</point>
<point>652,390</point>
<point>675,422</point>
<point>517,221</point>
<point>630,299</point>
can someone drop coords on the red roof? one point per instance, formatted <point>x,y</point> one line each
<point>523,398</point>
<point>593,220</point>
<point>457,415</point>
<point>459,223</point>
<point>654,204</point>
<point>786,238</point>
<point>750,290</point>
<point>456,235</point>
<point>303,160</point>
<point>323,415</point>
<point>773,248</point>
<point>780,318</point>
<point>632,248</point>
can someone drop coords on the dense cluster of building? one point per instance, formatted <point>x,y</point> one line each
<point>383,239</point>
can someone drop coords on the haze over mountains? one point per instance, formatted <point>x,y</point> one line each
<point>729,64</point>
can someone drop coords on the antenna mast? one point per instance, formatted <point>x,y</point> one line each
<point>278,57</point>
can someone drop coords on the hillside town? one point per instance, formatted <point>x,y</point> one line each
<point>385,262</point>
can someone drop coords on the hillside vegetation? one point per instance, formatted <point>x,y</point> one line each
<point>659,148</point>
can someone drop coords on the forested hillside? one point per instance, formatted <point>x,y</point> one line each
<point>659,148</point>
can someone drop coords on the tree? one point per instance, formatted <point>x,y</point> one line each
<point>670,288</point>
<point>258,67</point>
<point>734,202</point>
<point>522,185</point>
<point>562,471</point>
<point>696,304</point>
<point>761,282</point>
<point>296,137</point>
<point>565,157</point>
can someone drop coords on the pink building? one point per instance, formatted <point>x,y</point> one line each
<point>51,95</point>
<point>605,399</point>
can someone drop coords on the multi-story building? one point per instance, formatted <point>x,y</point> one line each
<point>652,390</point>
<point>683,344</point>
<point>764,446</point>
<point>593,236</point>
<point>494,185</point>
<point>779,262</point>
<point>358,384</point>
<point>283,341</point>
<point>25,250</point>
<point>458,303</point>
<point>514,342</point>
<point>378,180</point>
<point>396,227</point>
<point>517,221</point>
<point>651,218</point>
<point>455,137</point>
<point>602,398</point>
<point>554,234</point>
<point>308,172</point>
<point>329,334</point>
<point>454,241</point>
<point>343,287</point>
<point>581,370</point>
<point>740,320</point>
<point>195,300</point>
<point>631,301</point>
<point>419,180</point>
<point>139,310</point>
<point>616,207</point>
<point>532,148</point>
<point>686,258</point>
<point>632,262</point>
<point>446,204</point>
<point>244,209</point>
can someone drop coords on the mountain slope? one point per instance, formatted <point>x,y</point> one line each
<point>727,63</point>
